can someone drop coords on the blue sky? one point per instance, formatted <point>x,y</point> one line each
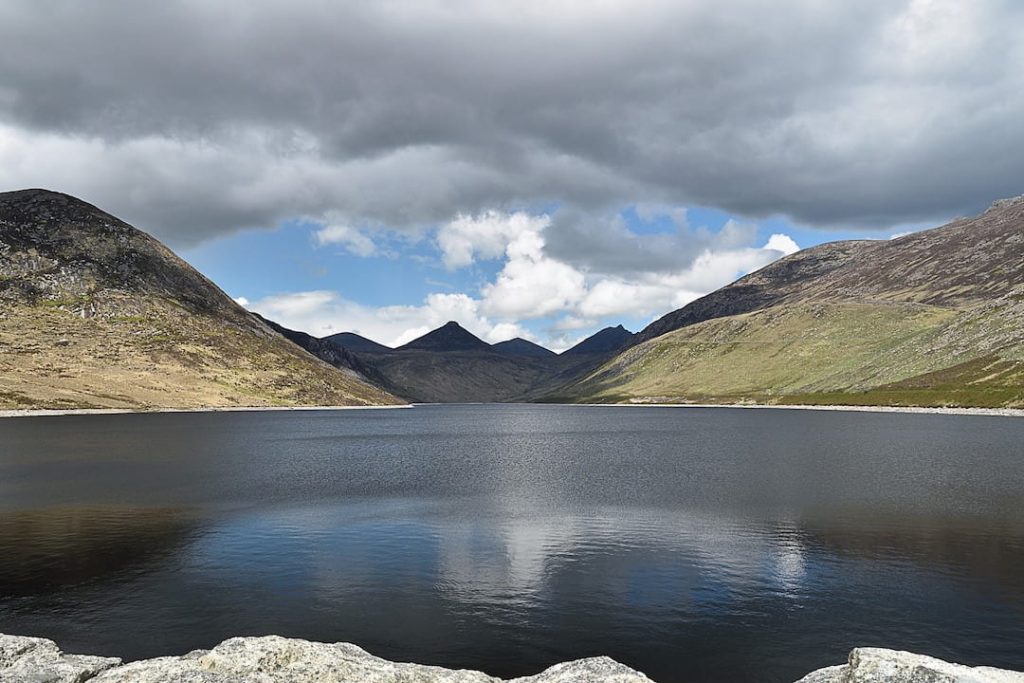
<point>267,269</point>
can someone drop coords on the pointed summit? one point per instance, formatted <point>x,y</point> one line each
<point>608,340</point>
<point>450,337</point>
<point>523,348</point>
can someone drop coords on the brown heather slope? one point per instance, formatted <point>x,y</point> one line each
<point>934,318</point>
<point>96,314</point>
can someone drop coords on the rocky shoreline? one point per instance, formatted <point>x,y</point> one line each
<point>273,659</point>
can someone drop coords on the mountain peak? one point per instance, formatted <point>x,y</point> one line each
<point>93,255</point>
<point>350,341</point>
<point>523,347</point>
<point>609,340</point>
<point>449,337</point>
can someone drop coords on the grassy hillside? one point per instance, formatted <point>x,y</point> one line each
<point>97,314</point>
<point>934,319</point>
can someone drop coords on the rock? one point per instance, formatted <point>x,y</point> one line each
<point>273,659</point>
<point>603,669</point>
<point>831,674</point>
<point>268,659</point>
<point>37,660</point>
<point>876,665</point>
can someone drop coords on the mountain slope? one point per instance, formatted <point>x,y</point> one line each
<point>329,352</point>
<point>351,341</point>
<point>95,313</point>
<point>607,341</point>
<point>932,318</point>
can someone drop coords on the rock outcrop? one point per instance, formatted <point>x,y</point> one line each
<point>36,660</point>
<point>268,659</point>
<point>877,665</point>
<point>273,659</point>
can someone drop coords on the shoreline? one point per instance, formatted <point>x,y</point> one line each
<point>57,412</point>
<point>921,410</point>
<point>977,412</point>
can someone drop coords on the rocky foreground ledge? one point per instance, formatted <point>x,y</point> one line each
<point>272,659</point>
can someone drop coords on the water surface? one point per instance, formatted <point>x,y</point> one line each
<point>693,544</point>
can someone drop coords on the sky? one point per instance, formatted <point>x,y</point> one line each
<point>539,168</point>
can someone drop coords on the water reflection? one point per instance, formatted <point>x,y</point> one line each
<point>723,546</point>
<point>59,548</point>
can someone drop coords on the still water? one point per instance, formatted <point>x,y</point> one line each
<point>692,544</point>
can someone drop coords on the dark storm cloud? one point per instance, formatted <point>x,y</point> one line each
<point>606,245</point>
<point>195,118</point>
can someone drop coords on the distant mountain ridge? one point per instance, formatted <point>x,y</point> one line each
<point>932,318</point>
<point>95,313</point>
<point>451,364</point>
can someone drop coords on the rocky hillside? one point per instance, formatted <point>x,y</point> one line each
<point>934,318</point>
<point>272,659</point>
<point>97,314</point>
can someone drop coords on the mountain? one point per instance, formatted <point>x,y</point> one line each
<point>451,365</point>
<point>607,341</point>
<point>97,314</point>
<point>354,342</point>
<point>329,352</point>
<point>449,337</point>
<point>932,318</point>
<point>523,348</point>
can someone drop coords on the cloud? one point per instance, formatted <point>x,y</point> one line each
<point>322,313</point>
<point>407,114</point>
<point>519,133</point>
<point>486,236</point>
<point>656,293</point>
<point>533,285</point>
<point>782,243</point>
<point>602,242</point>
<point>353,240</point>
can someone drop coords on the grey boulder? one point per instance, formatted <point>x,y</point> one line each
<point>877,665</point>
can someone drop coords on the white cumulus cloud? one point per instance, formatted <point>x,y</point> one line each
<point>485,236</point>
<point>352,239</point>
<point>783,243</point>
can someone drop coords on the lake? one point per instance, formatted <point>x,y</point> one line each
<point>692,544</point>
